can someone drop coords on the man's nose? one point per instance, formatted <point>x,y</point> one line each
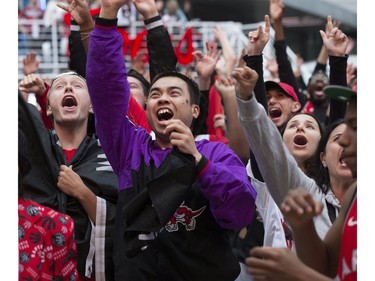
<point>271,100</point>
<point>68,88</point>
<point>164,98</point>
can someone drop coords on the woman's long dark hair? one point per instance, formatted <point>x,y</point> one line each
<point>322,175</point>
<point>311,165</point>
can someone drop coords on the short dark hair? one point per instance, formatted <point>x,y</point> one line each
<point>192,85</point>
<point>145,84</point>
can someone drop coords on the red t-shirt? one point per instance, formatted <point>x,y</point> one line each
<point>69,154</point>
<point>347,269</point>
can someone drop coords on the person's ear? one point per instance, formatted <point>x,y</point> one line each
<point>90,109</point>
<point>323,159</point>
<point>49,110</point>
<point>195,110</point>
<point>296,106</point>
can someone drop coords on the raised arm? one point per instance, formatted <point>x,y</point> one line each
<point>236,138</point>
<point>336,43</point>
<point>204,65</point>
<point>258,39</point>
<point>299,208</point>
<point>80,12</point>
<point>161,54</point>
<point>230,57</point>
<point>108,86</point>
<point>286,73</point>
<point>298,74</point>
<point>278,167</point>
<point>254,59</point>
<point>321,60</point>
<point>277,13</point>
<point>33,83</point>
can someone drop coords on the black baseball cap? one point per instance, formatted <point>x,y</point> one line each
<point>339,92</point>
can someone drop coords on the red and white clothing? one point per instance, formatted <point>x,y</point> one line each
<point>347,269</point>
<point>31,13</point>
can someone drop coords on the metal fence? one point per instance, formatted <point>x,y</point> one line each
<point>51,43</point>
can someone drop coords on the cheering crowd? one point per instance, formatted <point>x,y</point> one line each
<point>158,173</point>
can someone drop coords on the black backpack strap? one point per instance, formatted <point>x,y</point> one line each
<point>331,211</point>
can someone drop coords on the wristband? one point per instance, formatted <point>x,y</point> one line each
<point>153,22</point>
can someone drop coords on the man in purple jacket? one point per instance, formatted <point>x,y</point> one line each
<point>178,197</point>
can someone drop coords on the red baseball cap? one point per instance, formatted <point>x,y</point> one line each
<point>284,87</point>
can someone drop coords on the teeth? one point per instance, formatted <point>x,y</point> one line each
<point>163,111</point>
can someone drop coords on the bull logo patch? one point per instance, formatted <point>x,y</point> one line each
<point>184,216</point>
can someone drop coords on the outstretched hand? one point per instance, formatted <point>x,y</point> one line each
<point>225,87</point>
<point>220,34</point>
<point>299,208</point>
<point>32,83</point>
<point>70,182</point>
<point>205,64</point>
<point>273,68</point>
<point>269,263</point>
<point>181,137</point>
<point>334,39</point>
<point>110,8</point>
<point>259,38</point>
<point>80,12</point>
<point>139,63</point>
<point>277,10</point>
<point>147,8</point>
<point>245,80</point>
<point>30,63</point>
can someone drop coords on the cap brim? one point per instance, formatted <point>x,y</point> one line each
<point>339,92</point>
<point>274,85</point>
